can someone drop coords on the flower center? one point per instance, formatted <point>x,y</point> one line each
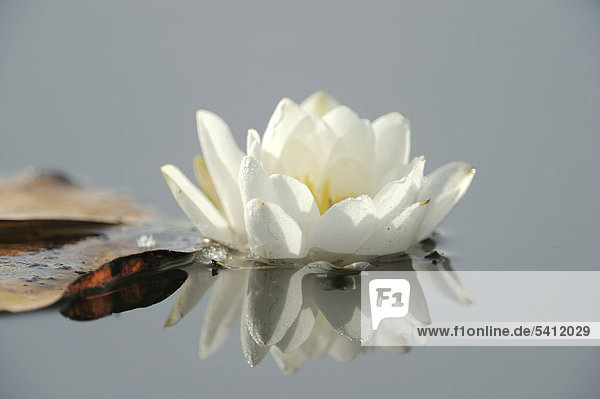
<point>323,196</point>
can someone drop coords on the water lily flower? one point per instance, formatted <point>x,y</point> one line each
<point>321,184</point>
<point>322,188</point>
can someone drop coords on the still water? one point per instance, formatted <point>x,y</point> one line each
<point>306,317</point>
<point>108,90</point>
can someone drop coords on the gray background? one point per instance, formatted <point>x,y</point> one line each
<point>108,91</point>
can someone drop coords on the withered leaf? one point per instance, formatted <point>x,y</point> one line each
<point>52,231</point>
<point>32,278</point>
<point>46,197</point>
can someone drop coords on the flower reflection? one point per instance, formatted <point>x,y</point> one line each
<point>295,313</point>
<point>299,314</point>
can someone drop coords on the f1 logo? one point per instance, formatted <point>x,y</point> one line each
<point>388,298</point>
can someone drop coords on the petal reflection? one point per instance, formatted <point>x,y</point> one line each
<point>274,299</point>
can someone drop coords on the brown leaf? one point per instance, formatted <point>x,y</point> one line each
<point>44,197</point>
<point>32,277</point>
<point>52,231</point>
<point>43,231</point>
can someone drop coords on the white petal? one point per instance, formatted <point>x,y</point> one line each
<point>272,233</point>
<point>254,182</point>
<point>397,235</point>
<point>445,186</point>
<point>223,309</point>
<point>196,206</point>
<point>223,159</point>
<point>348,177</point>
<point>293,196</point>
<point>305,149</point>
<point>343,121</point>
<point>393,196</point>
<point>198,282</point>
<point>355,135</point>
<point>285,118</point>
<point>344,226</point>
<point>296,199</point>
<point>399,171</point>
<point>298,159</point>
<point>392,141</point>
<point>399,194</point>
<point>447,177</point>
<point>319,103</point>
<point>253,145</point>
<point>205,182</point>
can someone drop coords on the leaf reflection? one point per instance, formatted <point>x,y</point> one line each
<point>145,290</point>
<point>125,283</point>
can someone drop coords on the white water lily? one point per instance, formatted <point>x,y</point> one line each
<point>322,187</point>
<point>322,184</point>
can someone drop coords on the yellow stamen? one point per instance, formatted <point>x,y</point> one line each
<point>323,196</point>
<point>206,183</point>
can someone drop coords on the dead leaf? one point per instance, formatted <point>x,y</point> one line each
<point>43,231</point>
<point>52,231</point>
<point>32,278</point>
<point>44,197</point>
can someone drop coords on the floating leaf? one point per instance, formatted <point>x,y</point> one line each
<point>48,197</point>
<point>32,276</point>
<point>52,231</point>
